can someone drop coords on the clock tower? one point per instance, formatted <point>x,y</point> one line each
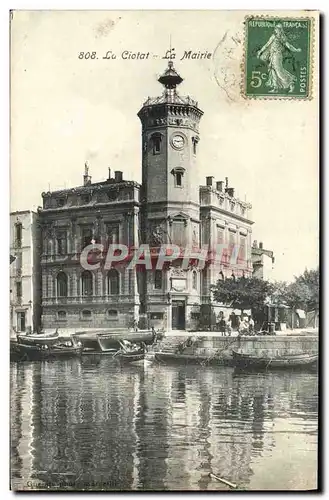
<point>170,190</point>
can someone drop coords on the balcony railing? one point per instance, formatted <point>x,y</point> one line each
<point>90,299</point>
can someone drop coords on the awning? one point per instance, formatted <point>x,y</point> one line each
<point>301,313</point>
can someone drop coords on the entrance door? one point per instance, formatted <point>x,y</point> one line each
<point>21,321</point>
<point>178,315</point>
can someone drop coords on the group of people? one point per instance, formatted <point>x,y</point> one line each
<point>244,325</point>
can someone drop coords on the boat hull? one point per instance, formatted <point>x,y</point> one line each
<point>167,357</point>
<point>37,353</point>
<point>242,360</point>
<point>131,358</point>
<point>41,339</point>
<point>112,340</point>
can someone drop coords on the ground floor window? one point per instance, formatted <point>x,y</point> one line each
<point>86,314</point>
<point>112,313</point>
<point>61,315</point>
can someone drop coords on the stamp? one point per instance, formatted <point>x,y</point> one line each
<point>277,58</point>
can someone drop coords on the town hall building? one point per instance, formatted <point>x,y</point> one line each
<point>169,207</point>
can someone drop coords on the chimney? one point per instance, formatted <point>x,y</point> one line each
<point>261,245</point>
<point>118,176</point>
<point>109,177</point>
<point>219,185</point>
<point>209,180</point>
<point>230,192</point>
<point>226,182</point>
<point>255,244</point>
<point>86,177</point>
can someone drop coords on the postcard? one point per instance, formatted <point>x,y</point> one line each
<point>164,261</point>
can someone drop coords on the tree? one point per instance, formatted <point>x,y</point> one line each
<point>303,292</point>
<point>243,293</point>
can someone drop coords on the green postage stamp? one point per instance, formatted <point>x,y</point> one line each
<point>278,57</point>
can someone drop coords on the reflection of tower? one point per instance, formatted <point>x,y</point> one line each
<point>205,429</point>
<point>152,429</point>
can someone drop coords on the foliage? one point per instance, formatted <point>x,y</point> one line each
<point>243,293</point>
<point>303,292</point>
<point>253,293</point>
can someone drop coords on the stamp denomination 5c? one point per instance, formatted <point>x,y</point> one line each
<point>278,57</point>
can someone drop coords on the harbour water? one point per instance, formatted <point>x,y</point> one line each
<point>95,425</point>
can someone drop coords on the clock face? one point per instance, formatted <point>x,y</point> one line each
<point>178,141</point>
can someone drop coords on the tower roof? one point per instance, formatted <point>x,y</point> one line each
<point>170,78</point>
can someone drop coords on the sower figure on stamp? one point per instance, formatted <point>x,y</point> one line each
<point>272,52</point>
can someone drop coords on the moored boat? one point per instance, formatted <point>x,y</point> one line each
<point>110,341</point>
<point>62,348</point>
<point>131,357</point>
<point>171,357</point>
<point>41,352</point>
<point>249,360</point>
<point>89,342</point>
<point>38,338</point>
<point>133,353</point>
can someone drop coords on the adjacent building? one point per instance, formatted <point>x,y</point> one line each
<point>169,207</point>
<point>25,293</point>
<point>262,261</point>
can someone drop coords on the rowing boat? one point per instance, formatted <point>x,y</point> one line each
<point>131,357</point>
<point>169,357</point>
<point>38,339</point>
<point>250,360</point>
<point>110,341</point>
<point>41,352</point>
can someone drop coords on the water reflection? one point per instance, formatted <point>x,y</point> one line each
<point>95,425</point>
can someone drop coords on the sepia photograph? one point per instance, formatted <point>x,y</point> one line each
<point>164,250</point>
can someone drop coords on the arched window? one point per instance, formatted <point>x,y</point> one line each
<point>113,282</point>
<point>86,314</point>
<point>195,141</point>
<point>195,280</point>
<point>178,173</point>
<point>61,315</point>
<point>61,284</point>
<point>156,143</point>
<point>87,283</point>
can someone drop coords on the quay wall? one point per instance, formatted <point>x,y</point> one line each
<point>221,347</point>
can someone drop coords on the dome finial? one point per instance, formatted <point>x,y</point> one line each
<point>170,78</point>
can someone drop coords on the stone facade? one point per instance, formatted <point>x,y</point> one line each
<point>25,279</point>
<point>168,207</point>
<point>100,213</point>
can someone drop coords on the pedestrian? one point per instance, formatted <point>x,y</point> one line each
<point>251,325</point>
<point>244,326</point>
<point>222,325</point>
<point>229,326</point>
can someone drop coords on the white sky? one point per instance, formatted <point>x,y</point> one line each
<point>66,111</point>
